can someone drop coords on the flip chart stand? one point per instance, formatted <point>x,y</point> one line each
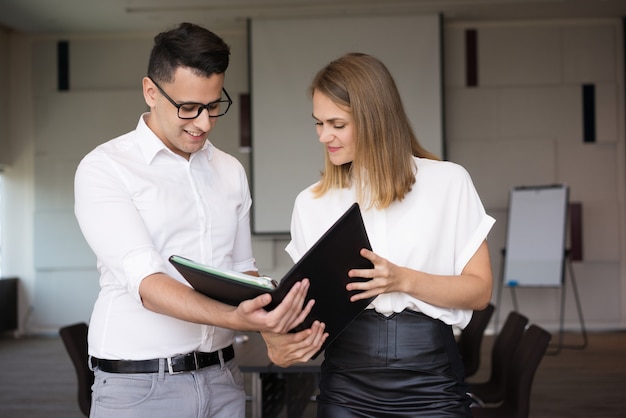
<point>560,343</point>
<point>535,254</point>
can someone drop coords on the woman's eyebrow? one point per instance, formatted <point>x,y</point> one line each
<point>331,120</point>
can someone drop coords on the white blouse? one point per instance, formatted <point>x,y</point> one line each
<point>436,228</point>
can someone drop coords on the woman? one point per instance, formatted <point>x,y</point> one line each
<point>428,230</point>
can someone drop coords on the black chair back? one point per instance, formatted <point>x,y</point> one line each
<point>504,345</point>
<point>471,337</point>
<point>520,376</point>
<point>75,340</point>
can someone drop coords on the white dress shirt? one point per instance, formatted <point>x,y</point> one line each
<point>436,228</point>
<point>137,203</point>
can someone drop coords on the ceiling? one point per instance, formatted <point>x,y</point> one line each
<point>86,16</point>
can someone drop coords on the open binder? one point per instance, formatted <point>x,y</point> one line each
<point>325,264</point>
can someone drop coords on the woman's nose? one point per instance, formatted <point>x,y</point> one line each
<point>324,134</point>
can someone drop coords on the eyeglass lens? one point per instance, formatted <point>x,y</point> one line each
<point>193,110</point>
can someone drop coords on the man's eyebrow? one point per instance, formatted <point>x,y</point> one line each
<point>198,103</point>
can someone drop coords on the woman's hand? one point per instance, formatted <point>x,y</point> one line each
<point>384,277</point>
<point>287,349</point>
<point>469,290</point>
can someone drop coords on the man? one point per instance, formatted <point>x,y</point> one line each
<point>157,347</point>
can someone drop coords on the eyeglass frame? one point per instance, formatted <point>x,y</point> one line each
<point>202,106</point>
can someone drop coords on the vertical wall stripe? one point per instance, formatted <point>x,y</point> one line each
<point>442,88</point>
<point>244,121</point>
<point>471,58</point>
<point>253,216</point>
<point>63,65</point>
<point>589,113</point>
<point>576,231</point>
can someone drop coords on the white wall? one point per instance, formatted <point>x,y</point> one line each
<point>18,189</point>
<point>521,125</point>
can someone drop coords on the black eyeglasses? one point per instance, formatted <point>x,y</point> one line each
<point>191,110</point>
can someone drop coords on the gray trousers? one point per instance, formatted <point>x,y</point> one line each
<point>212,392</point>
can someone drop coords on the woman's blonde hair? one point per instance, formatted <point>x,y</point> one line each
<point>382,170</point>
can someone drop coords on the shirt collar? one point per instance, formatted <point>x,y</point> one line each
<point>150,144</point>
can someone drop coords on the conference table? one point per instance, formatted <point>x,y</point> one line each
<point>272,387</point>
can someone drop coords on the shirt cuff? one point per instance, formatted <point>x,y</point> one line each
<point>140,264</point>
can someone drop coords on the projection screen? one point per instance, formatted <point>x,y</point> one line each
<point>285,54</point>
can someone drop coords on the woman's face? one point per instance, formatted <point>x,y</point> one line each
<point>334,128</point>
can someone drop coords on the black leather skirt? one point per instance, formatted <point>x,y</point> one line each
<point>405,365</point>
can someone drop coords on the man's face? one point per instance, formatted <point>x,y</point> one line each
<point>182,136</point>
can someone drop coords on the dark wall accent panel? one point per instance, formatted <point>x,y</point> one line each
<point>471,58</point>
<point>576,231</point>
<point>63,65</point>
<point>244,120</point>
<point>589,113</point>
<point>8,304</point>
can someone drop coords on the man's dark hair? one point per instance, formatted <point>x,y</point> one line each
<point>190,46</point>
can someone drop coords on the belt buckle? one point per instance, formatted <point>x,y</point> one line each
<point>170,366</point>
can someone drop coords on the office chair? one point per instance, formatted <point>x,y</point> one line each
<point>75,340</point>
<point>519,378</point>
<point>492,390</point>
<point>471,338</point>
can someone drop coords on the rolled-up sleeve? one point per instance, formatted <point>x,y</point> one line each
<point>105,212</point>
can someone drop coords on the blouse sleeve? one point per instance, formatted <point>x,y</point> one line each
<point>473,223</point>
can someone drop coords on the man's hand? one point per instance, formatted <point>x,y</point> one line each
<point>163,294</point>
<point>289,314</point>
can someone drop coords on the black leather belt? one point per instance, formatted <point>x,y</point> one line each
<point>177,364</point>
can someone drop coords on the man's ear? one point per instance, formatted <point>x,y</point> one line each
<point>149,92</point>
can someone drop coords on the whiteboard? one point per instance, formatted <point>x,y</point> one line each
<point>285,55</point>
<point>536,233</point>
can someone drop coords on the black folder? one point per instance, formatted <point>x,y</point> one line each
<point>325,264</point>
